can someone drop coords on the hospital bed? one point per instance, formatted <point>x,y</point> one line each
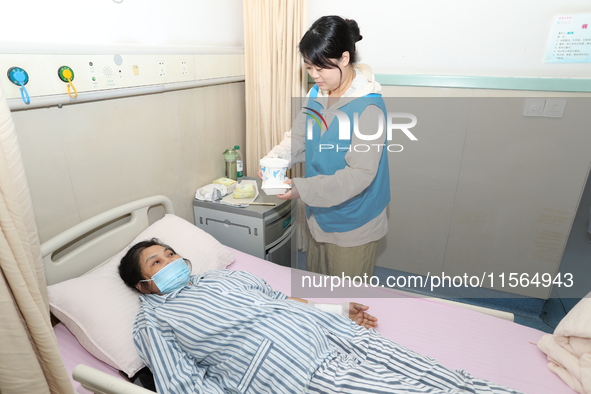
<point>96,310</point>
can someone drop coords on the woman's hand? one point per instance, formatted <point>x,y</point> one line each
<point>291,194</point>
<point>358,314</point>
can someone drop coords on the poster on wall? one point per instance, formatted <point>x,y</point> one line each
<point>570,39</point>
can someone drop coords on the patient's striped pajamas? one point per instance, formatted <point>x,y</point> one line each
<point>229,332</point>
<point>386,367</point>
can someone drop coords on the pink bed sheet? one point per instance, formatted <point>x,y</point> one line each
<point>487,347</point>
<point>73,354</point>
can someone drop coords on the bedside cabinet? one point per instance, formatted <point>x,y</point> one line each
<point>260,230</point>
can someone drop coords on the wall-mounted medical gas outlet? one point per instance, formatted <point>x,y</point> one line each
<point>110,75</point>
<point>20,77</point>
<point>66,74</point>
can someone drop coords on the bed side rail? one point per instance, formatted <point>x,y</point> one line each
<point>102,383</point>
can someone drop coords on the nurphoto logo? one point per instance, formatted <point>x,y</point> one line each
<point>317,117</point>
<point>344,125</point>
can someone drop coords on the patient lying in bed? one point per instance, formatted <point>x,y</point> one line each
<point>229,332</point>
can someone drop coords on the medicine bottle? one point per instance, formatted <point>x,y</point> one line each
<point>239,162</point>
<point>230,159</point>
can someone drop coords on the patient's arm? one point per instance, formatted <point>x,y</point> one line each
<point>173,370</point>
<point>357,312</point>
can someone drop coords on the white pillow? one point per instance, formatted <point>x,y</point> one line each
<point>99,309</point>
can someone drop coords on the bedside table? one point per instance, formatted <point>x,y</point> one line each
<point>260,230</point>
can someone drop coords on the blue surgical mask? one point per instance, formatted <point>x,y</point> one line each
<point>172,277</point>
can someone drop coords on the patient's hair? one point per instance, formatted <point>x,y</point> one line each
<point>130,269</point>
<point>328,38</point>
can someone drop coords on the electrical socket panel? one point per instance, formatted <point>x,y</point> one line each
<point>554,108</point>
<point>548,108</point>
<point>161,69</point>
<point>534,107</point>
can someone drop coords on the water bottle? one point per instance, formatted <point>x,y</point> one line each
<point>230,159</point>
<point>239,162</point>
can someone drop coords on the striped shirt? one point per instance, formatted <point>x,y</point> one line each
<point>229,332</point>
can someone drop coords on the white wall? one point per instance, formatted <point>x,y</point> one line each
<point>484,189</point>
<point>459,37</point>
<point>68,26</point>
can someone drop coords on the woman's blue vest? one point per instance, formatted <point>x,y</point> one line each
<point>368,204</point>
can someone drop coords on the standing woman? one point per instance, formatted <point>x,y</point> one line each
<point>346,189</point>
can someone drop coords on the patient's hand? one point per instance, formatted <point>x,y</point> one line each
<point>358,314</point>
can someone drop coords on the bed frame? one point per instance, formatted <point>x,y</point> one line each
<point>95,241</point>
<point>86,246</point>
<point>101,383</point>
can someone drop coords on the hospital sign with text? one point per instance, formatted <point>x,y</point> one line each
<point>344,124</point>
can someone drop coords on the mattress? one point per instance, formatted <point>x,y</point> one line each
<point>458,338</point>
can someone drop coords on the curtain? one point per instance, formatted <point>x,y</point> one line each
<point>30,361</point>
<point>274,80</point>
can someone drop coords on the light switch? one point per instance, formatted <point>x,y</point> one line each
<point>534,107</point>
<point>554,108</point>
